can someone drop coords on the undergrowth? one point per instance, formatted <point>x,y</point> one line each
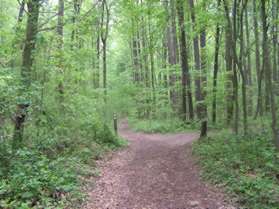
<point>47,172</point>
<point>161,125</point>
<point>247,167</point>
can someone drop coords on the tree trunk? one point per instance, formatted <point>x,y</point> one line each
<point>216,69</point>
<point>275,5</point>
<point>104,36</point>
<point>186,81</point>
<point>259,109</point>
<point>26,68</point>
<point>60,24</point>
<point>267,69</point>
<point>204,84</point>
<point>198,92</point>
<point>241,69</point>
<point>172,46</point>
<point>248,70</point>
<point>229,78</point>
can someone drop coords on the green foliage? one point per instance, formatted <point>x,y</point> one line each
<point>246,166</point>
<point>36,181</point>
<point>47,172</point>
<point>161,126</point>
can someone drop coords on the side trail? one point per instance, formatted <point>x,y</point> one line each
<point>155,172</point>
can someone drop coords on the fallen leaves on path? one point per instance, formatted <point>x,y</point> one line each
<point>155,172</point>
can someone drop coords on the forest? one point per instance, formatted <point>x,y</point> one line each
<point>149,82</point>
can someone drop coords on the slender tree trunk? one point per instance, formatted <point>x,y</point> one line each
<point>216,69</point>
<point>232,35</point>
<point>135,61</point>
<point>186,81</point>
<point>104,43</point>
<point>96,39</point>
<point>27,63</point>
<point>229,79</point>
<point>104,36</point>
<point>259,109</point>
<point>204,84</point>
<point>98,48</point>
<point>248,68</point>
<point>275,5</point>
<point>267,69</point>
<point>60,28</point>
<point>172,47</point>
<point>197,61</point>
<point>241,69</point>
<point>152,64</point>
<point>16,42</point>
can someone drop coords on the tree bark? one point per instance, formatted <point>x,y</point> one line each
<point>229,78</point>
<point>216,69</point>
<point>204,84</point>
<point>60,43</point>
<point>172,47</point>
<point>259,108</point>
<point>267,69</point>
<point>186,81</point>
<point>26,68</point>
<point>198,92</point>
<point>275,5</point>
<point>104,36</point>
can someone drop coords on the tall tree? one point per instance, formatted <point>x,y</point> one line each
<point>275,11</point>
<point>259,108</point>
<point>26,68</point>
<point>60,27</point>
<point>172,51</point>
<point>196,43</point>
<point>104,37</point>
<point>267,70</point>
<point>203,78</point>
<point>186,80</point>
<point>216,67</point>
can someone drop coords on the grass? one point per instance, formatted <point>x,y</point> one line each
<point>248,167</point>
<point>161,126</point>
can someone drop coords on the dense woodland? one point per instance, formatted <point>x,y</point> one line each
<point>167,65</point>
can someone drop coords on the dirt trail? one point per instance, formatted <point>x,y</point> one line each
<point>155,172</point>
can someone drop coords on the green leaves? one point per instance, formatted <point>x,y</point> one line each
<point>33,177</point>
<point>248,167</point>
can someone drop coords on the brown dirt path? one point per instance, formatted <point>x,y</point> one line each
<point>155,172</point>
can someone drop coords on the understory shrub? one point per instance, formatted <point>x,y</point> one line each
<point>46,172</point>
<point>247,166</point>
<point>161,125</point>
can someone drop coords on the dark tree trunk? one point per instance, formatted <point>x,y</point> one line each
<point>152,64</point>
<point>186,81</point>
<point>216,69</point>
<point>198,92</point>
<point>267,69</point>
<point>259,109</point>
<point>104,36</point>
<point>172,47</point>
<point>60,24</point>
<point>248,68</point>
<point>241,69</point>
<point>229,79</point>
<point>275,43</point>
<point>75,20</point>
<point>204,85</point>
<point>27,62</point>
<point>21,11</point>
